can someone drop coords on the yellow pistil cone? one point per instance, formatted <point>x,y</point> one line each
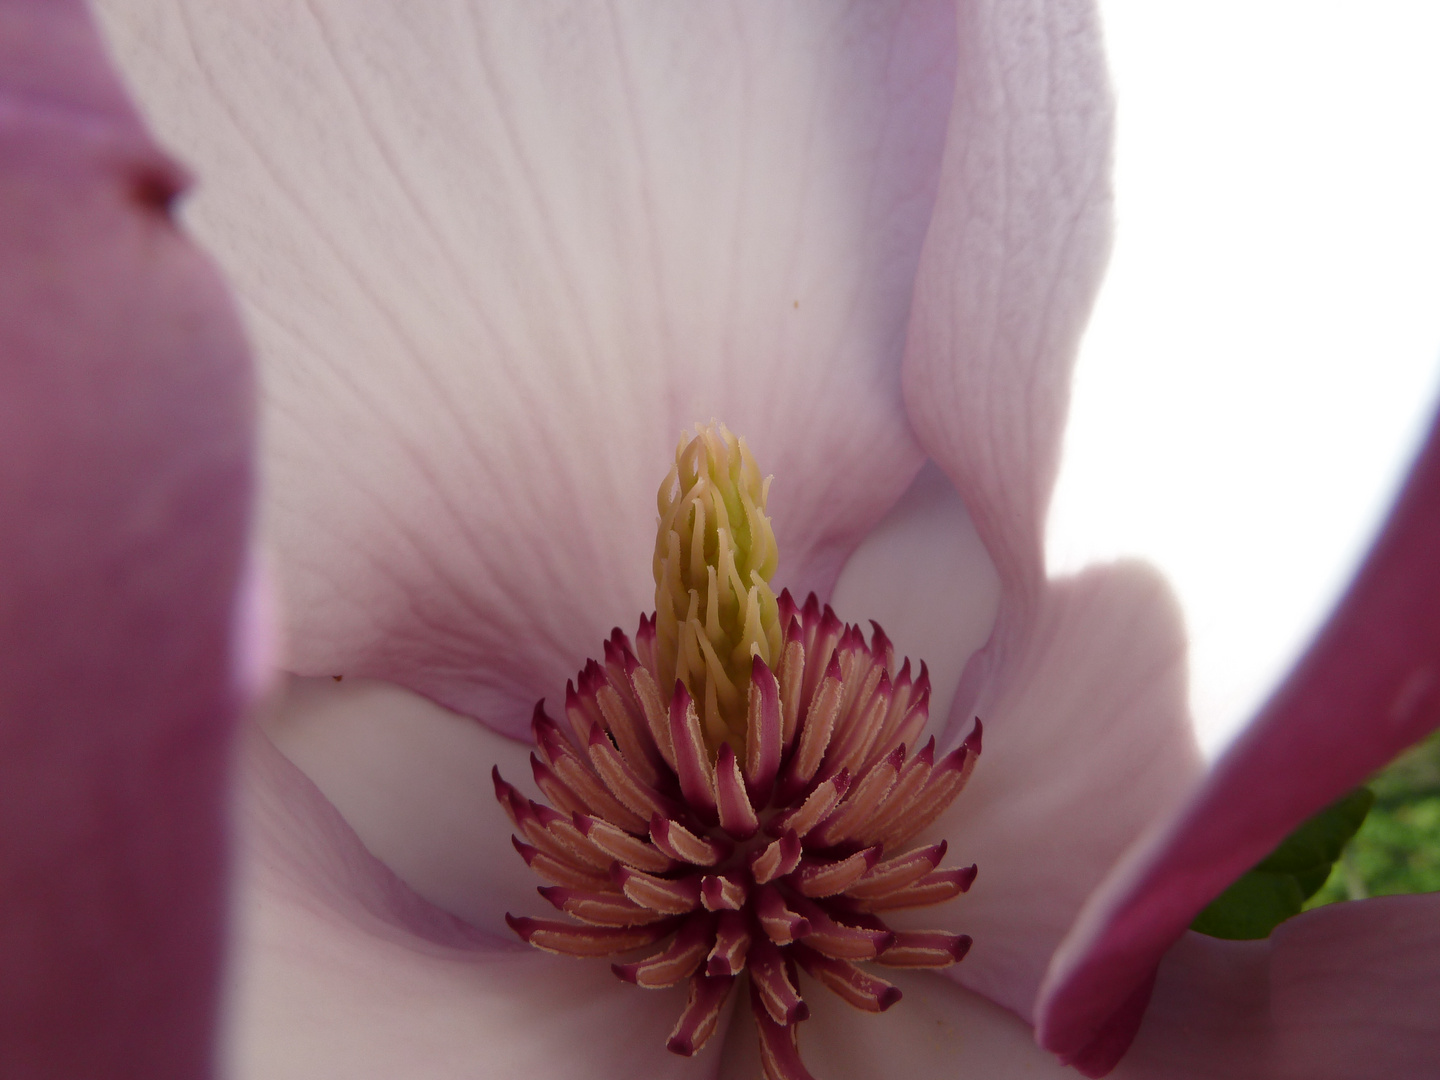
<point>714,556</point>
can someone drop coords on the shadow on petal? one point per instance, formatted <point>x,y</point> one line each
<point>344,971</point>
<point>1088,746</point>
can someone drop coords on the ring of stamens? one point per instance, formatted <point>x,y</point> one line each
<point>696,863</point>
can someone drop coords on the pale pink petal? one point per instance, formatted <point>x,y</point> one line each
<point>1209,1016</point>
<point>924,576</point>
<point>413,780</point>
<point>495,257</point>
<point>1368,687</point>
<point>1089,743</point>
<point>1355,990</point>
<point>1009,269</point>
<point>937,1031</point>
<point>1344,992</point>
<point>345,972</point>
<point>125,420</point>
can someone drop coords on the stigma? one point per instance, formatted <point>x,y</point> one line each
<point>733,794</point>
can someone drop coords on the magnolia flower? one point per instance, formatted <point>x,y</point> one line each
<point>491,264</point>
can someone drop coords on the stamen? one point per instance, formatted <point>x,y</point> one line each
<point>568,939</point>
<point>680,843</point>
<point>575,774</point>
<point>677,961</point>
<point>696,777</point>
<point>821,877</point>
<point>779,923</point>
<point>815,732</point>
<point>732,943</point>
<point>779,1053</point>
<point>933,888</point>
<point>599,908</point>
<point>925,949</point>
<point>898,872</point>
<point>617,775</point>
<point>730,785</point>
<point>724,892</point>
<point>619,844</point>
<point>737,816</point>
<point>557,870</point>
<point>816,807</point>
<point>702,1012</point>
<point>777,860</point>
<point>762,733</point>
<point>853,985</point>
<point>838,940</point>
<point>775,985</point>
<point>674,897</point>
<point>862,802</point>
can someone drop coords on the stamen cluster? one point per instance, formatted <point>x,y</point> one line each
<point>700,864</point>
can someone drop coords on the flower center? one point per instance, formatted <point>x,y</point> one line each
<point>753,820</point>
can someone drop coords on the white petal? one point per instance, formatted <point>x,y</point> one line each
<point>1087,747</point>
<point>1011,265</point>
<point>413,780</point>
<point>496,256</point>
<point>938,1031</point>
<point>926,578</point>
<point>344,972</point>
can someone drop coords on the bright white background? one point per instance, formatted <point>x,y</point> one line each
<point>1266,350</point>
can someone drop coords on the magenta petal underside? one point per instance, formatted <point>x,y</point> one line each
<point>1368,687</point>
<point>125,445</point>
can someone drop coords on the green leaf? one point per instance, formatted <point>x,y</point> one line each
<point>1278,886</point>
<point>1250,908</point>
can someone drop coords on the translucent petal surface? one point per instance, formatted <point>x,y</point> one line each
<point>125,484</point>
<point>926,578</point>
<point>938,1031</point>
<point>1010,266</point>
<point>1085,750</point>
<point>496,256</point>
<point>346,972</point>
<point>413,780</point>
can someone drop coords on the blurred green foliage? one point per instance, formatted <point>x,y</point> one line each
<point>1343,853</point>
<point>1397,849</point>
<point>1277,887</point>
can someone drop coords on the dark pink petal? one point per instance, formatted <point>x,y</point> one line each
<point>1368,687</point>
<point>610,223</point>
<point>125,481</point>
